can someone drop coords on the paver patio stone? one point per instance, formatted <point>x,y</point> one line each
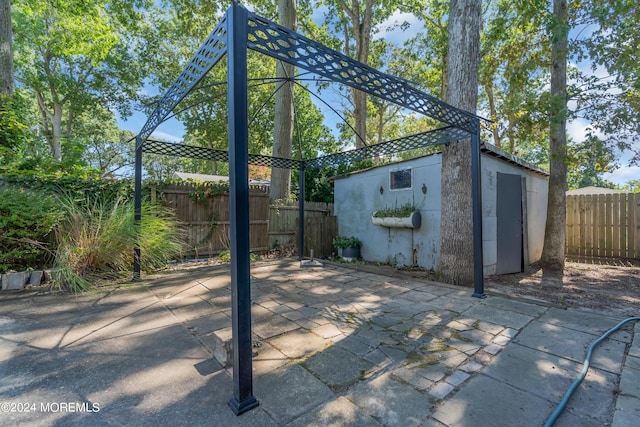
<point>298,392</point>
<point>298,343</point>
<point>441,390</point>
<point>572,344</point>
<point>504,318</point>
<point>489,402</point>
<point>339,412</point>
<point>391,402</point>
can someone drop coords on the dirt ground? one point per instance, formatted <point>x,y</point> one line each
<point>606,286</point>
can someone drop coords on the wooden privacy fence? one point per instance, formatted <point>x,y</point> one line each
<point>321,227</point>
<point>205,218</point>
<point>319,233</point>
<point>603,225</point>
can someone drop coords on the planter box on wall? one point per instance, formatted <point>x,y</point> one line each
<point>413,221</point>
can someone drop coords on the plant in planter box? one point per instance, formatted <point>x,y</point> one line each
<point>348,247</point>
<point>405,216</point>
<point>403,211</point>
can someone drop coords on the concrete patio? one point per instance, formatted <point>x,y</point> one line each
<point>333,346</point>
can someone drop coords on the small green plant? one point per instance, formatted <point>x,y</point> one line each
<point>341,242</point>
<point>403,211</point>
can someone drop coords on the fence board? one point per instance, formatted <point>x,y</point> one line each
<point>591,220</point>
<point>603,225</point>
<point>636,227</point>
<point>607,249</point>
<point>615,229</point>
<point>632,230</point>
<point>583,227</point>
<point>572,223</point>
<point>624,235</point>
<point>319,233</point>
<point>284,216</point>
<point>599,226</point>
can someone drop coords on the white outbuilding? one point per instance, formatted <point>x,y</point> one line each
<point>514,210</point>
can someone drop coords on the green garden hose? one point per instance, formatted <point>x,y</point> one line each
<point>585,367</point>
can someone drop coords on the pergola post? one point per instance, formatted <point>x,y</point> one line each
<point>301,211</point>
<point>476,195</point>
<point>137,208</point>
<point>243,399</point>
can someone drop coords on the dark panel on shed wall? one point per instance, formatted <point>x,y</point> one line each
<point>509,219</point>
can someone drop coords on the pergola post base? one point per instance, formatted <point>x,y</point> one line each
<point>240,408</point>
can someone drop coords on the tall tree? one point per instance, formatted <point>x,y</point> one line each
<point>514,55</point>
<point>284,109</point>
<point>554,239</point>
<point>428,49</point>
<point>456,248</point>
<point>608,95</point>
<point>7,84</point>
<point>74,54</point>
<point>361,16</point>
<point>357,21</point>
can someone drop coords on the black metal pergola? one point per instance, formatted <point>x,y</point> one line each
<point>239,30</point>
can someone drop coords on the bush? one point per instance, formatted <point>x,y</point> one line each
<point>97,239</point>
<point>26,220</point>
<point>342,242</point>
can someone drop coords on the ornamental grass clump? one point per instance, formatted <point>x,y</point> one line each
<point>96,238</point>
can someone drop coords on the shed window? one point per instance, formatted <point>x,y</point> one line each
<point>400,179</point>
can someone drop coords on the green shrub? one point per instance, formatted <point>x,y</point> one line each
<point>97,239</point>
<point>26,220</point>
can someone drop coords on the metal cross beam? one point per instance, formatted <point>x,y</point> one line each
<point>211,51</point>
<point>204,153</point>
<point>411,142</point>
<point>286,45</point>
<point>420,140</point>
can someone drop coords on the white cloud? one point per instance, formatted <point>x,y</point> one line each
<point>623,175</point>
<point>166,136</point>
<point>577,129</point>
<point>390,29</point>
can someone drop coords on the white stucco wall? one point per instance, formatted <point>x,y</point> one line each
<point>357,196</point>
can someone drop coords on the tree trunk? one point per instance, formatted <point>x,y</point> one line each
<point>493,114</point>
<point>456,228</point>
<point>554,239</point>
<point>7,86</point>
<point>361,23</point>
<point>443,79</point>
<point>283,120</point>
<point>56,126</point>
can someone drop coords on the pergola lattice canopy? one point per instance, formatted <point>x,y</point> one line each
<point>286,45</point>
<point>236,32</point>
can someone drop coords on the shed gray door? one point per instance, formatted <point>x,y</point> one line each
<point>509,216</point>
